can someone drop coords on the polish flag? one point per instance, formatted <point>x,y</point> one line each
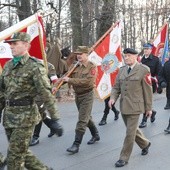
<point>106,54</point>
<point>159,41</point>
<point>33,25</point>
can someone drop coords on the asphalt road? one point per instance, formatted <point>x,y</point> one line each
<point>103,154</point>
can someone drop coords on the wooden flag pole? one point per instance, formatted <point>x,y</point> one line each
<point>42,44</point>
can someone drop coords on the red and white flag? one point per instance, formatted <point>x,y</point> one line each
<point>159,41</point>
<point>106,54</point>
<point>33,25</point>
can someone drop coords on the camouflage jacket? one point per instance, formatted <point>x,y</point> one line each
<point>27,79</point>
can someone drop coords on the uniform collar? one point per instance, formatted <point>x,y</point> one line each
<point>149,57</point>
<point>23,60</point>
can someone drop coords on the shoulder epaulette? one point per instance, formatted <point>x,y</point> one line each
<point>37,60</point>
<point>144,66</point>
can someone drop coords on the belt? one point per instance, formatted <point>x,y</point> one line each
<point>84,92</point>
<point>18,102</point>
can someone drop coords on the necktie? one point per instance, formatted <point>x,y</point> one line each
<point>129,69</point>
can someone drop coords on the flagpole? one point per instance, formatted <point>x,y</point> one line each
<point>42,44</point>
<point>8,32</point>
<point>104,35</point>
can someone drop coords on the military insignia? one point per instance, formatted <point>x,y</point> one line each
<point>32,30</point>
<point>104,87</point>
<point>115,38</point>
<point>148,79</point>
<point>93,71</point>
<point>109,63</point>
<point>2,49</point>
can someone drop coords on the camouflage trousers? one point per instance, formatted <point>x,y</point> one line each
<point>19,155</point>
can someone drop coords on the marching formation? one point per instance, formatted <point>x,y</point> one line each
<point>27,100</point>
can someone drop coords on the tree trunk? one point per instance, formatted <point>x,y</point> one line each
<point>23,9</point>
<point>76,23</point>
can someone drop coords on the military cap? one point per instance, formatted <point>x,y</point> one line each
<point>19,36</point>
<point>147,45</point>
<point>82,49</point>
<point>130,51</point>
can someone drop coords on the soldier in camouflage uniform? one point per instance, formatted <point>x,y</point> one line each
<point>22,79</point>
<point>45,118</point>
<point>83,81</point>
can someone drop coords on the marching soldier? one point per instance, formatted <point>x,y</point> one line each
<point>45,118</point>
<point>134,87</point>
<point>106,112</point>
<point>83,81</point>
<point>155,66</point>
<point>22,79</point>
<point>164,80</point>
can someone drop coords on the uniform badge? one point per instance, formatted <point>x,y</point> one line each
<point>148,79</point>
<point>93,71</point>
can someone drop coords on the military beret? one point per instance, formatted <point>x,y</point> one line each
<point>147,45</point>
<point>130,51</point>
<point>19,36</point>
<point>82,49</point>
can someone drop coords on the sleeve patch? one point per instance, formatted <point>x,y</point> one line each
<point>93,71</point>
<point>148,79</point>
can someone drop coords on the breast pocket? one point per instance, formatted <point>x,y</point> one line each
<point>85,74</point>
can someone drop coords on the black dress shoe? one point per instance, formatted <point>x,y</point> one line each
<point>116,115</point>
<point>34,141</point>
<point>153,116</point>
<point>146,150</point>
<point>102,122</point>
<point>143,124</point>
<point>120,163</point>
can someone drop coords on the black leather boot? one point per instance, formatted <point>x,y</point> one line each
<point>103,121</point>
<point>168,128</point>
<point>153,116</point>
<point>47,122</point>
<point>116,112</point>
<point>167,105</point>
<point>144,121</point>
<point>56,127</point>
<point>75,146</point>
<point>95,135</point>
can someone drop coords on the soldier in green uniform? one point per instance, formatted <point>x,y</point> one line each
<point>133,84</point>
<point>83,81</point>
<point>22,79</point>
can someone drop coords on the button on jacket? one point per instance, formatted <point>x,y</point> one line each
<point>134,89</point>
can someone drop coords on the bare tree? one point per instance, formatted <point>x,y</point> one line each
<point>76,22</point>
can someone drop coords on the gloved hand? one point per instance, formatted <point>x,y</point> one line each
<point>56,127</point>
<point>163,84</point>
<point>159,90</point>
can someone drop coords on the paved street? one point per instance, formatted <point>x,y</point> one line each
<point>102,155</point>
